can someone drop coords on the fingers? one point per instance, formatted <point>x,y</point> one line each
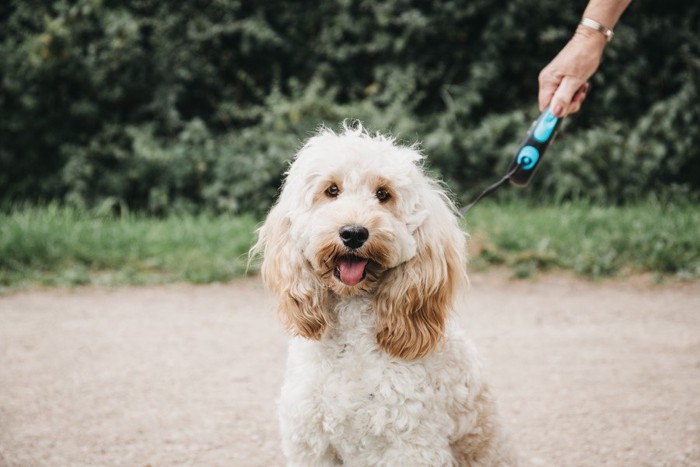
<point>562,105</point>
<point>563,101</point>
<point>548,85</point>
<point>578,99</point>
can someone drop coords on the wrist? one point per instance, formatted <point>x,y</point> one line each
<point>591,36</point>
<point>597,27</point>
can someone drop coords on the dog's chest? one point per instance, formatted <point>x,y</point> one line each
<point>366,396</point>
<point>356,398</point>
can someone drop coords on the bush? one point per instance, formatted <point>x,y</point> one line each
<point>200,107</point>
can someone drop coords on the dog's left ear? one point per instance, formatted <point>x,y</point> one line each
<point>303,302</point>
<point>414,299</point>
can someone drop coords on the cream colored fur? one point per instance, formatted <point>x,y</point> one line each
<point>379,374</point>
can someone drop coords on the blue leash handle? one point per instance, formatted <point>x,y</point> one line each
<point>528,157</point>
<point>541,133</point>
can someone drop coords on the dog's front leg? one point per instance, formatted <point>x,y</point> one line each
<point>304,441</point>
<point>416,455</point>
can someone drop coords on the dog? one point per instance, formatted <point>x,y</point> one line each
<point>365,255</point>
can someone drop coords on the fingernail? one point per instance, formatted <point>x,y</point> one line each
<point>558,110</point>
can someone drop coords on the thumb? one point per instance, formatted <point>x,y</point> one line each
<point>564,95</point>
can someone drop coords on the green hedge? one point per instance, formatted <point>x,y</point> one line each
<point>198,105</point>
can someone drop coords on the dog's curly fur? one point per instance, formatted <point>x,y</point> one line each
<point>378,373</point>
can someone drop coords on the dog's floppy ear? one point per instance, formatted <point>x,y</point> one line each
<point>302,300</point>
<point>414,299</point>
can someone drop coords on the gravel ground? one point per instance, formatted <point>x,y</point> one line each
<point>587,374</point>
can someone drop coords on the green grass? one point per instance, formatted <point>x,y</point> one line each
<point>594,241</point>
<point>60,246</point>
<point>64,247</point>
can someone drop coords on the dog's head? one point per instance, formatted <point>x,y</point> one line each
<point>358,216</point>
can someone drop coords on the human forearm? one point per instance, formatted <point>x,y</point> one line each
<point>563,82</point>
<point>606,12</point>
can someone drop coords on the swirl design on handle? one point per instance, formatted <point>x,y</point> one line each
<point>528,157</point>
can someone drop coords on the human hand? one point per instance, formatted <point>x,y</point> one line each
<point>563,83</point>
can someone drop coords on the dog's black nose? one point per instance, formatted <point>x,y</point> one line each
<point>353,236</point>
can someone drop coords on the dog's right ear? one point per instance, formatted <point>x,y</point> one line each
<point>302,300</point>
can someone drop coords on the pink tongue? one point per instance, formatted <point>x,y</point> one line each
<point>352,270</point>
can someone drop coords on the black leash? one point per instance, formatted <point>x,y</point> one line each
<point>490,189</point>
<point>521,170</point>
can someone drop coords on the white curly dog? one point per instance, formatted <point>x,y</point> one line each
<point>365,255</point>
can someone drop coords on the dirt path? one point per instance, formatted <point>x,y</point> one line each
<point>587,374</point>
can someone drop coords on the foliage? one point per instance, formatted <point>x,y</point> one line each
<point>68,246</point>
<point>142,106</point>
<point>592,240</point>
<point>63,246</point>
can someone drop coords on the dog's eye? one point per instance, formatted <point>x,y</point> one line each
<point>382,195</point>
<point>333,191</point>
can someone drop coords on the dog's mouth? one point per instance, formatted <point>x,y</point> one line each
<point>350,270</point>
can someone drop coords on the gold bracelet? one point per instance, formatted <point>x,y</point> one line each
<point>595,25</point>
